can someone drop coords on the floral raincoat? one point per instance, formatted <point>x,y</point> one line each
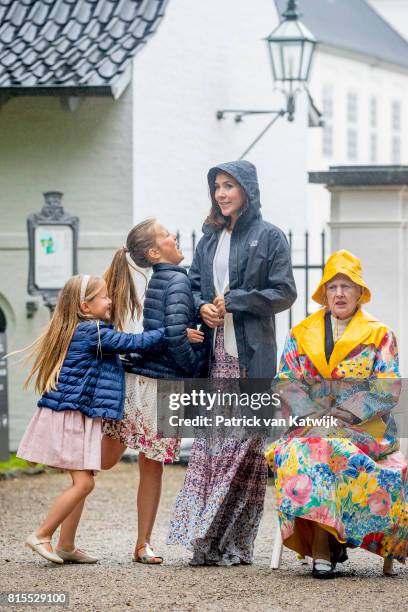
<point>352,480</point>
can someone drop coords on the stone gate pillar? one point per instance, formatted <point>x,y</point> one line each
<point>369,217</point>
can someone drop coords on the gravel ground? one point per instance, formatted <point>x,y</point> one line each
<point>115,583</point>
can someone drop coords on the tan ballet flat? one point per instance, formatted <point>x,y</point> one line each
<point>75,556</point>
<point>37,545</point>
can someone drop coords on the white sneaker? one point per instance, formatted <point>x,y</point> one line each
<point>37,545</point>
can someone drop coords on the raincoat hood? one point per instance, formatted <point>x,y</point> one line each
<point>342,262</point>
<point>245,174</point>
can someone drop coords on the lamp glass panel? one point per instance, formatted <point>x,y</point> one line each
<point>291,53</point>
<point>308,48</point>
<point>276,60</point>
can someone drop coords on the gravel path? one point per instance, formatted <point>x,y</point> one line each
<point>116,583</point>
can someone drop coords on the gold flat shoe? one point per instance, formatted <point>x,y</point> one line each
<point>149,558</point>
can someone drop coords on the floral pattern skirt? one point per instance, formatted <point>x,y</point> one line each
<point>218,510</point>
<point>138,428</point>
<point>361,502</point>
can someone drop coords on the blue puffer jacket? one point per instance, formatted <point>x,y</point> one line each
<point>91,378</point>
<point>169,304</point>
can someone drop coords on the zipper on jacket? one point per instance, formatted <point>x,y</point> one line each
<point>240,315</point>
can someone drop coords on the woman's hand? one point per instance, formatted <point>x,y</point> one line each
<point>194,335</point>
<point>210,316</point>
<point>219,303</point>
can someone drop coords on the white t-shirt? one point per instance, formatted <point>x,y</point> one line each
<point>221,259</point>
<point>221,283</point>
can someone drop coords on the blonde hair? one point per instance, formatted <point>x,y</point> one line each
<point>50,349</point>
<point>118,277</point>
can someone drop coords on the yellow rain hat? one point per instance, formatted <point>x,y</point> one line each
<point>342,262</point>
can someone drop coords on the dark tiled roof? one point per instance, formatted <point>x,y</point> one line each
<point>352,25</point>
<point>72,44</point>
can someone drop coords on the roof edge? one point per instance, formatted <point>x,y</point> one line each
<point>361,175</point>
<point>58,90</point>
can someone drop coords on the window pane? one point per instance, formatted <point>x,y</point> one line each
<point>328,141</point>
<point>396,150</point>
<point>352,107</point>
<point>396,115</point>
<point>373,148</point>
<point>352,144</point>
<point>373,112</point>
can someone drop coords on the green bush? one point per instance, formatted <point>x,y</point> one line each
<point>13,463</point>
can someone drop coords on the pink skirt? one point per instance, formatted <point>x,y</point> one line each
<point>66,439</point>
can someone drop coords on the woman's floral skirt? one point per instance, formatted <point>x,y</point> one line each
<point>361,502</point>
<point>218,510</point>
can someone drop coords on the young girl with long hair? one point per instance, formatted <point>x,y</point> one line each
<point>80,378</point>
<point>168,303</point>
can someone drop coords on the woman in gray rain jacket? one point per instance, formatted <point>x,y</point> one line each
<point>241,276</point>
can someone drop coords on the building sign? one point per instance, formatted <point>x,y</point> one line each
<point>53,261</point>
<point>53,248</point>
<point>4,423</point>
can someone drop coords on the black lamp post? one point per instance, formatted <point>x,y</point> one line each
<point>291,46</point>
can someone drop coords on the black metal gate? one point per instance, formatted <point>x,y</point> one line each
<point>306,267</point>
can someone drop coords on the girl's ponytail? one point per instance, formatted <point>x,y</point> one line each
<point>118,277</point>
<point>122,290</point>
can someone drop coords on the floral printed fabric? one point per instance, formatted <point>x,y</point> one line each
<point>138,428</point>
<point>217,513</point>
<point>218,510</point>
<point>353,484</point>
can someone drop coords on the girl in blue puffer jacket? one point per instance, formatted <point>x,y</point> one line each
<point>80,378</point>
<point>168,303</point>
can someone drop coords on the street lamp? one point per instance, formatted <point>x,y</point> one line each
<point>291,47</point>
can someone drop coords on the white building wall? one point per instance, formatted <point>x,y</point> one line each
<point>88,156</point>
<point>343,75</point>
<point>371,222</point>
<point>210,56</point>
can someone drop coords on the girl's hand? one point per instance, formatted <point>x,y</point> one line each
<point>219,303</point>
<point>210,316</point>
<point>194,335</point>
